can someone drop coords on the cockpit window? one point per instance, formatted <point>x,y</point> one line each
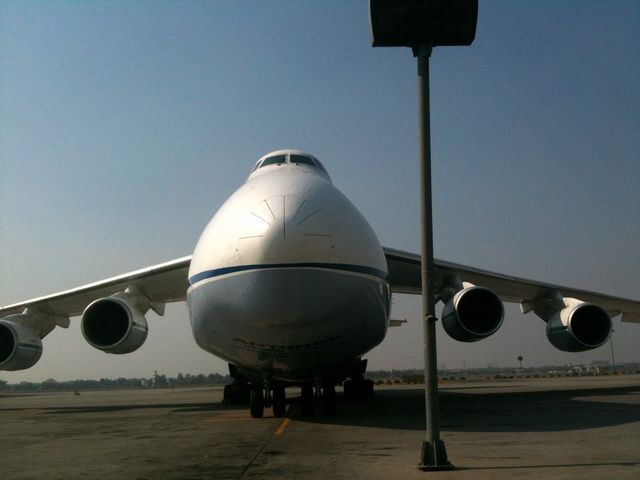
<point>283,157</point>
<point>304,160</point>
<point>273,160</point>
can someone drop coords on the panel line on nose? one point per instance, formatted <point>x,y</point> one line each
<point>307,217</point>
<point>259,217</point>
<point>299,209</point>
<point>272,214</point>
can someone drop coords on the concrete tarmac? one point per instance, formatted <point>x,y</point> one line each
<point>558,428</point>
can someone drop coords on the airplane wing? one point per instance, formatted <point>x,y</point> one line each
<point>405,274</point>
<point>163,283</point>
<point>167,282</point>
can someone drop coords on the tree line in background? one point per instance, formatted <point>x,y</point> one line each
<point>157,381</point>
<point>411,376</point>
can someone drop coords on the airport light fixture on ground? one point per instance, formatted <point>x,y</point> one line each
<point>422,25</point>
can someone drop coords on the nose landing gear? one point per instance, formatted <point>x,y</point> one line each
<point>262,397</point>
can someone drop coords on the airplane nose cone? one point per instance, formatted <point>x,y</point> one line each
<point>282,228</point>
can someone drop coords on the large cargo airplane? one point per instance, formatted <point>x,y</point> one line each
<point>289,284</point>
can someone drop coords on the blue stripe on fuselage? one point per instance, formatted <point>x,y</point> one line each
<point>344,267</point>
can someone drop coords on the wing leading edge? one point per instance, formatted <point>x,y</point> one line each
<point>163,283</point>
<point>405,274</point>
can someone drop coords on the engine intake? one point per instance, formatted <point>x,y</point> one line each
<point>20,347</point>
<point>115,324</point>
<point>579,327</point>
<point>472,314</point>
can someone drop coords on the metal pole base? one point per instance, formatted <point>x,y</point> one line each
<point>434,457</point>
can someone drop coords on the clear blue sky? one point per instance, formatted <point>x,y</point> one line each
<point>125,125</point>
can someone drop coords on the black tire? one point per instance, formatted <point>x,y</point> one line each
<point>279,402</point>
<point>256,403</point>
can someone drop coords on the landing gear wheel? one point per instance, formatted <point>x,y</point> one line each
<point>307,399</point>
<point>256,403</point>
<point>329,399</point>
<point>279,402</point>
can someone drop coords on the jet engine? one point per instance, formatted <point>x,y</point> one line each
<point>20,347</point>
<point>116,324</point>
<point>578,327</point>
<point>473,313</point>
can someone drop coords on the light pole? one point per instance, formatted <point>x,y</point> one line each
<point>423,25</point>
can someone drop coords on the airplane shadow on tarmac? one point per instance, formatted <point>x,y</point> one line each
<point>460,410</point>
<point>487,412</point>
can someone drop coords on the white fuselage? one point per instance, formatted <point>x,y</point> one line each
<point>288,279</point>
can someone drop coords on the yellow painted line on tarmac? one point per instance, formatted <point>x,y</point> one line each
<point>283,426</point>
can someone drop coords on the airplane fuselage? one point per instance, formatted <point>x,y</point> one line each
<point>288,279</point>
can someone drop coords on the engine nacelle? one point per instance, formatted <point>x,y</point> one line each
<point>472,314</point>
<point>20,347</point>
<point>579,327</point>
<point>115,324</point>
